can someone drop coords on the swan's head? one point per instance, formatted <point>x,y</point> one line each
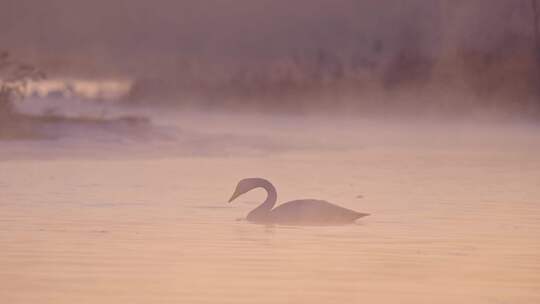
<point>244,186</point>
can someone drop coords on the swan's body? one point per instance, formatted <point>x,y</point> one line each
<point>298,212</point>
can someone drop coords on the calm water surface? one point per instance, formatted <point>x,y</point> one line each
<point>449,225</point>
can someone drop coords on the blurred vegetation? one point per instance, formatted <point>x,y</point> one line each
<point>491,65</point>
<point>14,79</point>
<point>503,79</point>
<point>447,56</point>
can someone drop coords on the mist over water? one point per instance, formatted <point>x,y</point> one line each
<point>172,132</point>
<point>104,216</point>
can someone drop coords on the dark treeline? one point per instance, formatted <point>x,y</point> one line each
<point>451,56</point>
<point>505,78</point>
<point>445,55</point>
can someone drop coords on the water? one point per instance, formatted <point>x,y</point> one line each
<point>455,218</point>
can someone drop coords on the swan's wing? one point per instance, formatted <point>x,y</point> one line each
<point>310,211</point>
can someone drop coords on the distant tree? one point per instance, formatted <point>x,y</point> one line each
<point>14,79</point>
<point>536,38</point>
<point>535,30</point>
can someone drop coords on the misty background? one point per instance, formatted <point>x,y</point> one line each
<point>406,57</point>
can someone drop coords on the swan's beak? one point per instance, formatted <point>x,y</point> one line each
<point>235,195</point>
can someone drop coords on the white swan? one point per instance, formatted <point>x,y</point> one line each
<point>298,212</point>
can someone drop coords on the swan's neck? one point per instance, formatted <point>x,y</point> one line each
<point>260,213</point>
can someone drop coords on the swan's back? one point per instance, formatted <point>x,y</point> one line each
<point>312,212</point>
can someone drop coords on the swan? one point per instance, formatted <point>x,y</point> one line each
<point>298,212</point>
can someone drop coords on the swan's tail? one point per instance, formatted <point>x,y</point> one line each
<point>359,215</point>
